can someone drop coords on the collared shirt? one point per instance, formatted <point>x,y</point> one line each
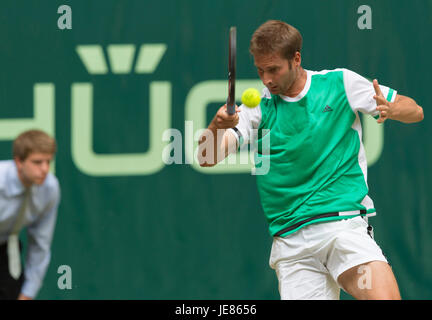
<point>39,218</point>
<point>310,160</point>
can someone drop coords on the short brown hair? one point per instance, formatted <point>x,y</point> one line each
<point>33,141</point>
<point>276,36</point>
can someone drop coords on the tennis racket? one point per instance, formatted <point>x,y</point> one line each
<point>231,70</point>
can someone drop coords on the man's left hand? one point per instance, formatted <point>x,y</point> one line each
<point>383,106</point>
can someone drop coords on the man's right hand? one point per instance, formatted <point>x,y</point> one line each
<point>222,120</point>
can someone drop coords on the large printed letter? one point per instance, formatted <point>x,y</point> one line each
<point>43,118</point>
<point>118,164</point>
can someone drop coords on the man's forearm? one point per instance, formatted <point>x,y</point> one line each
<point>215,145</point>
<point>406,110</point>
<point>209,146</point>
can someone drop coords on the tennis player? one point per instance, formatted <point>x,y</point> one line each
<point>315,195</point>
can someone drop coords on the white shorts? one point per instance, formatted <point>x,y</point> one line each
<point>309,261</point>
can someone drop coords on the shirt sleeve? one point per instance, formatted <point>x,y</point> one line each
<point>360,93</point>
<point>39,235</point>
<point>249,121</point>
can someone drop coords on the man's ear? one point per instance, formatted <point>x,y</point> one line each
<point>297,59</point>
<point>18,162</point>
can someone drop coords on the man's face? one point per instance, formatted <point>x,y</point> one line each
<point>34,169</point>
<point>277,73</point>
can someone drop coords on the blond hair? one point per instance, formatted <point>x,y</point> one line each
<point>33,141</point>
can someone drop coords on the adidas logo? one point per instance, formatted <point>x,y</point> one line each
<point>327,109</point>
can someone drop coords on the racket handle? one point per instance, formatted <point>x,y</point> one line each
<point>230,109</point>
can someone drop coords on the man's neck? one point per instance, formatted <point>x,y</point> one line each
<point>298,85</point>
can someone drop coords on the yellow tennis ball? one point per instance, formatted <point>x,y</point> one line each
<point>251,98</point>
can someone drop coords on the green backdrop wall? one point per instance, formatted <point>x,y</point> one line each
<point>133,227</point>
